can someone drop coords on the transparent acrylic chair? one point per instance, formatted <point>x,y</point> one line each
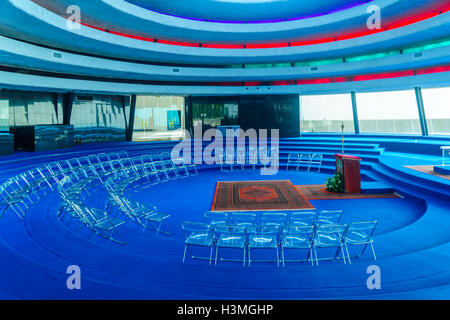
<point>214,218</point>
<point>292,160</point>
<point>197,235</point>
<point>360,234</point>
<point>230,237</point>
<point>316,160</point>
<point>304,160</point>
<point>329,217</point>
<point>303,218</point>
<point>241,157</point>
<point>330,236</point>
<point>253,156</point>
<point>297,237</point>
<point>263,238</point>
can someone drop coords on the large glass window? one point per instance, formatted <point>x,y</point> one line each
<point>388,112</point>
<point>437,110</point>
<point>211,114</point>
<point>159,118</point>
<point>33,108</point>
<point>99,118</point>
<point>325,113</point>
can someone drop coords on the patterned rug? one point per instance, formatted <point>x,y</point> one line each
<point>257,196</point>
<point>319,192</point>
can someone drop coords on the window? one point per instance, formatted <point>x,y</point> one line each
<point>32,108</point>
<point>325,113</point>
<point>98,118</point>
<point>388,112</point>
<point>159,118</point>
<point>436,103</point>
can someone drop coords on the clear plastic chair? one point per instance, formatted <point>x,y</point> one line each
<point>330,236</point>
<point>304,159</point>
<point>241,157</point>
<point>297,237</point>
<point>360,233</point>
<point>292,160</point>
<point>329,217</point>
<point>243,219</point>
<point>100,222</point>
<point>302,218</point>
<point>15,198</point>
<point>253,156</point>
<point>316,160</point>
<point>197,235</point>
<point>263,237</point>
<point>230,237</point>
<point>217,218</point>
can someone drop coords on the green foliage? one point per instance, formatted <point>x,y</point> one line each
<point>335,183</point>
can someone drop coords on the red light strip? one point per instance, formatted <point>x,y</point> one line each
<point>377,76</point>
<point>395,25</point>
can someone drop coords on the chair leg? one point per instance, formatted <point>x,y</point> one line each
<point>373,251</point>
<point>315,253</point>
<point>278,258</point>
<point>184,254</point>
<point>210,254</point>
<point>243,258</point>
<point>282,255</point>
<point>217,253</point>
<point>348,254</point>
<point>249,258</point>
<point>343,255</point>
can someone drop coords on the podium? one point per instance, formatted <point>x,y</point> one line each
<point>350,168</point>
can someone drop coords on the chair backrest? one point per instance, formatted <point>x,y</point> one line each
<point>194,227</point>
<point>293,157</point>
<point>274,218</point>
<point>304,157</point>
<point>93,159</point>
<point>214,217</point>
<point>329,217</point>
<point>362,229</point>
<point>302,231</point>
<point>155,157</point>
<point>243,219</point>
<point>316,158</point>
<point>230,230</point>
<point>166,156</point>
<point>331,229</point>
<point>262,230</point>
<point>302,218</point>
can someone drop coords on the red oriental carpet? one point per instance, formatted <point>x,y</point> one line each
<point>257,196</point>
<point>319,192</point>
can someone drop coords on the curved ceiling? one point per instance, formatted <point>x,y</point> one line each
<point>248,11</point>
<point>122,40</point>
<point>123,17</point>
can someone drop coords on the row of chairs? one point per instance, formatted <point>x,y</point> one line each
<point>116,172</point>
<point>146,216</point>
<point>306,160</point>
<point>277,232</point>
<point>242,156</point>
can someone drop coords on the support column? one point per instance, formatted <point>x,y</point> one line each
<point>67,107</point>
<point>422,117</point>
<point>131,120</point>
<point>355,112</point>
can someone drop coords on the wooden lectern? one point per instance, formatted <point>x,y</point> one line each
<point>350,168</point>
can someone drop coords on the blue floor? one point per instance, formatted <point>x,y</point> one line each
<point>411,242</point>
